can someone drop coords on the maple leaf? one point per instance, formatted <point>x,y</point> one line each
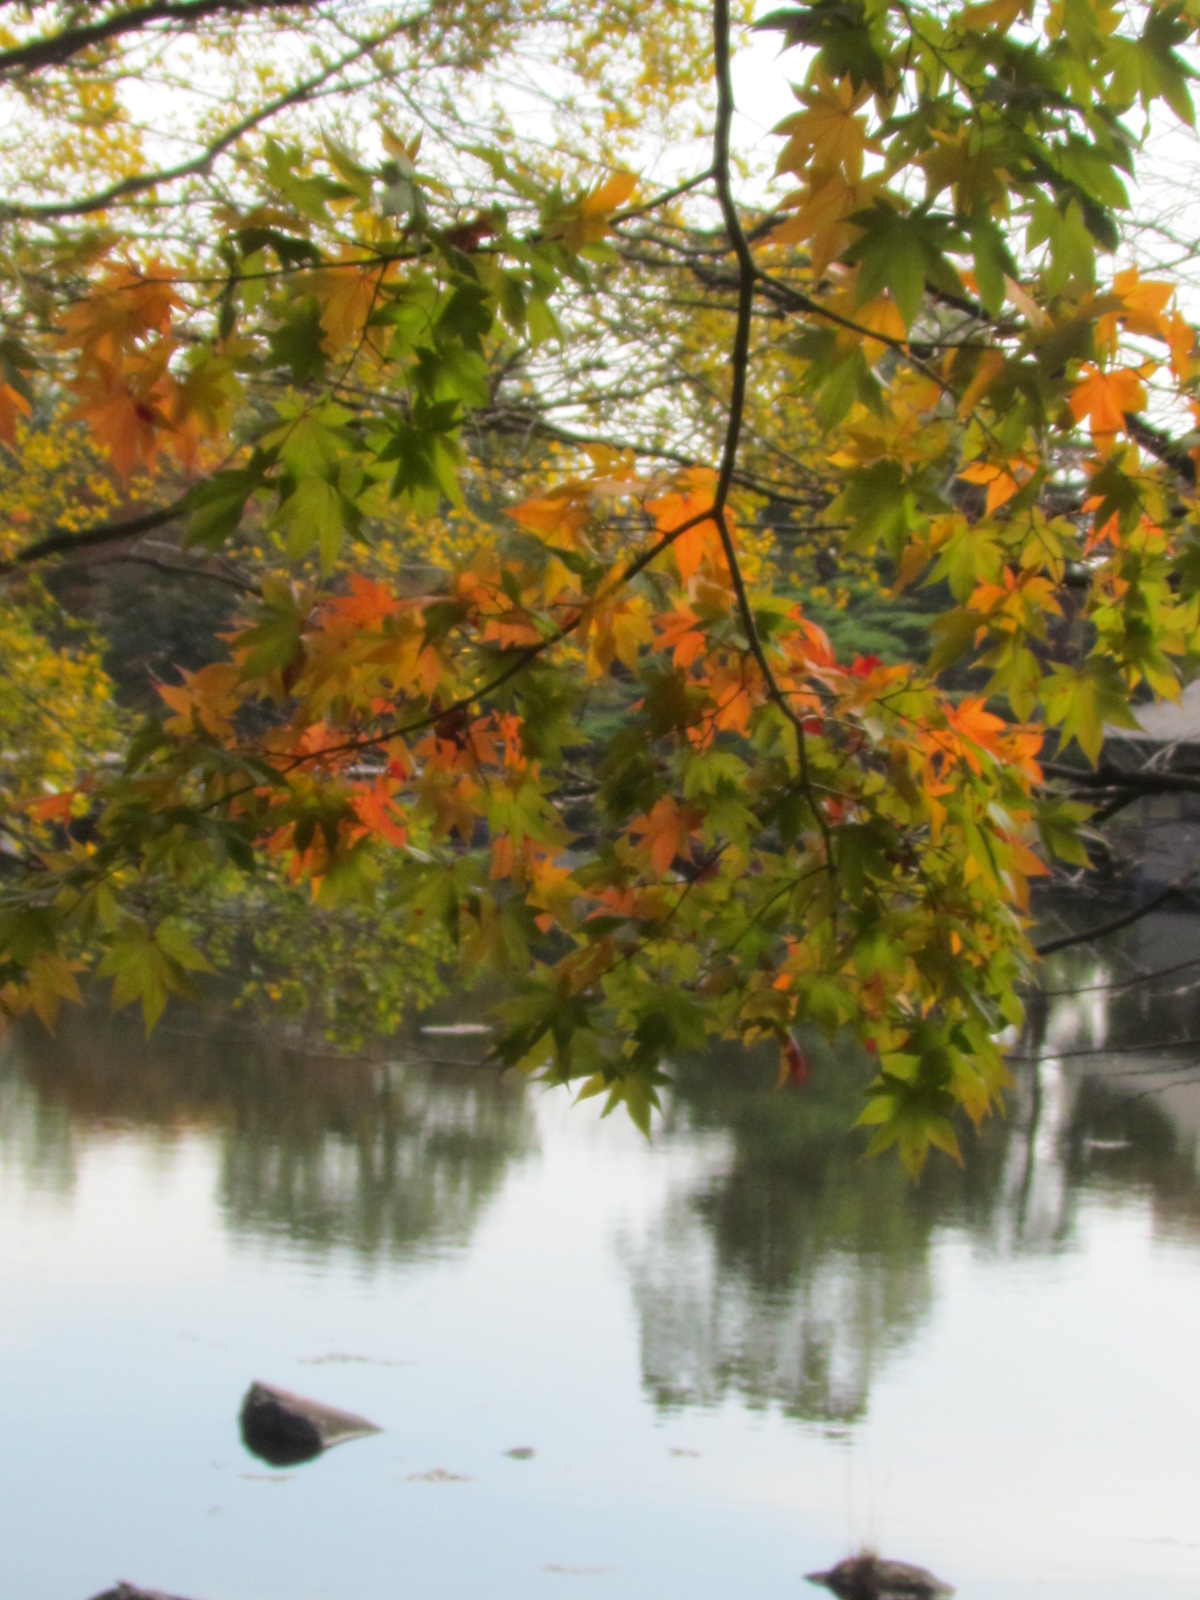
<point>680,633</point>
<point>1181,340</point>
<point>366,606</point>
<point>12,406</point>
<point>126,417</point>
<point>664,833</point>
<point>122,309</point>
<point>794,1065</point>
<point>211,696</point>
<point>608,196</point>
<point>54,807</point>
<point>1143,302</point>
<point>347,295</point>
<point>1105,397</point>
<point>977,727</point>
<point>821,214</point>
<point>376,808</point>
<point>563,515</point>
<point>828,135</point>
<point>1002,479</point>
<point>51,981</point>
<point>201,404</point>
<point>593,211</point>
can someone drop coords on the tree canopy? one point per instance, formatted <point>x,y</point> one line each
<point>528,463</point>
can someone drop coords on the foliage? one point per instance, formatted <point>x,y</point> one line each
<point>495,440</point>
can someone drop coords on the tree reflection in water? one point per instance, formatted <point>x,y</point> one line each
<point>388,1160</point>
<point>782,1269</point>
<point>792,1273</point>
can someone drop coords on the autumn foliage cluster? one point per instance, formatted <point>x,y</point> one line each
<point>498,445</point>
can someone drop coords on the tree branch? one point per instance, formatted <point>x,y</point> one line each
<point>739,360</point>
<point>1067,940</point>
<point>138,183</point>
<point>61,541</point>
<point>1143,781</point>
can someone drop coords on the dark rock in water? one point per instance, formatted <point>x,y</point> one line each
<point>284,1429</point>
<point>130,1591</point>
<point>870,1577</point>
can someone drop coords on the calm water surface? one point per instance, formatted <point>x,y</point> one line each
<point>736,1353</point>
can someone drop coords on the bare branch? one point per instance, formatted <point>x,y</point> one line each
<point>747,275</point>
<point>62,541</point>
<point>54,49</point>
<point>1067,940</point>
<point>139,182</point>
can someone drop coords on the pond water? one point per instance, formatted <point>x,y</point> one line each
<point>736,1353</point>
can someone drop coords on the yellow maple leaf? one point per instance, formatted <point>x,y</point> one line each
<point>827,135</point>
<point>347,296</point>
<point>821,212</point>
<point>998,14</point>
<point>1181,340</point>
<point>987,369</point>
<point>593,212</point>
<point>1144,302</point>
<point>609,196</point>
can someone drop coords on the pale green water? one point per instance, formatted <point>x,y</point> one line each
<point>736,1353</point>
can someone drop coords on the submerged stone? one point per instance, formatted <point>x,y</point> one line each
<point>284,1429</point>
<point>870,1577</point>
<point>130,1591</point>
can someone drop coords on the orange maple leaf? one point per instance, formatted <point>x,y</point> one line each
<point>1105,397</point>
<point>376,808</point>
<point>122,310</point>
<point>367,604</point>
<point>999,477</point>
<point>665,832</point>
<point>680,633</point>
<point>54,807</point>
<point>562,515</point>
<point>12,405</point>
<point>970,728</point>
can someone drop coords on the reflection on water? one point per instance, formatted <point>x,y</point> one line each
<point>785,1270</point>
<point>794,1272</point>
<point>765,1277</point>
<point>789,1273</point>
<point>387,1159</point>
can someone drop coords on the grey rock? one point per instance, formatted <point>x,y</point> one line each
<point>284,1429</point>
<point>870,1577</point>
<point>130,1591</point>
